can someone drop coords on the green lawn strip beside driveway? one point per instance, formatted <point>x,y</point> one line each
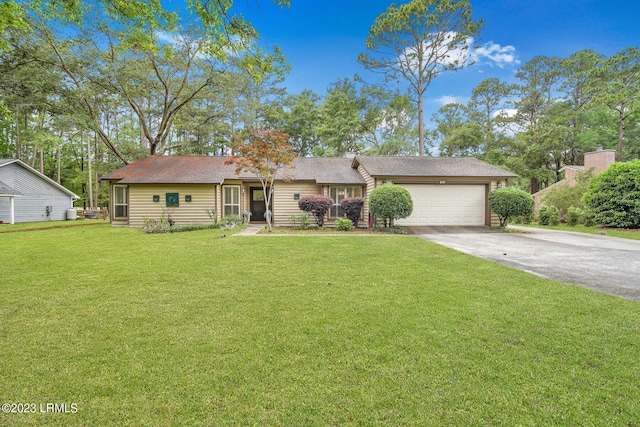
<point>603,231</point>
<point>192,329</point>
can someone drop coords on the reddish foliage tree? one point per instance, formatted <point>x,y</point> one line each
<point>265,152</point>
<point>316,204</point>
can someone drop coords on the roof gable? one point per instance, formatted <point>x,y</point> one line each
<point>6,162</point>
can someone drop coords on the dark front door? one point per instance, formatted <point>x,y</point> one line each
<point>258,207</point>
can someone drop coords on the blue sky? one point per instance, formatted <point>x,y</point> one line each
<point>321,39</point>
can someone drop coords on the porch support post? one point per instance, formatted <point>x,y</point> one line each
<point>11,209</point>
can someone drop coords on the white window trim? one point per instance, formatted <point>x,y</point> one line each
<point>125,204</point>
<point>224,198</point>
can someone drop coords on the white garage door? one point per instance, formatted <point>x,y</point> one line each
<point>446,205</point>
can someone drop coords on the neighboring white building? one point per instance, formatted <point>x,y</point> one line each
<point>26,195</point>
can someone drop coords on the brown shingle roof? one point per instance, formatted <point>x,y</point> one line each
<point>430,166</point>
<point>173,170</point>
<point>212,170</point>
<point>326,170</point>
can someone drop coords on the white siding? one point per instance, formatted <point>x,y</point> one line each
<point>37,195</point>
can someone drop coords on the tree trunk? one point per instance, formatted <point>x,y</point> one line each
<point>420,120</point>
<point>620,136</point>
<point>90,183</point>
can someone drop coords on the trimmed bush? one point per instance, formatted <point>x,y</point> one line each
<point>344,224</point>
<point>573,216</point>
<point>317,205</point>
<point>509,202</point>
<point>390,202</point>
<point>549,215</point>
<point>614,195</point>
<point>352,208</point>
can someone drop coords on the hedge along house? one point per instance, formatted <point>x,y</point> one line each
<point>26,195</point>
<point>445,191</point>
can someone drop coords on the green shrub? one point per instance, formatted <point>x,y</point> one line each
<point>212,214</point>
<point>193,227</point>
<point>230,222</point>
<point>390,202</point>
<point>317,205</point>
<point>523,219</point>
<point>573,216</point>
<point>509,202</point>
<point>393,229</point>
<point>565,196</point>
<point>614,195</point>
<point>549,215</point>
<point>588,218</point>
<point>344,224</point>
<point>352,208</point>
<point>300,220</point>
<point>154,226</point>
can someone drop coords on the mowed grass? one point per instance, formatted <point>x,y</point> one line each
<point>190,329</point>
<point>633,234</point>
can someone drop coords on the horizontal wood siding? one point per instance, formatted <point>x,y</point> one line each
<point>284,204</point>
<point>494,221</point>
<point>371,184</point>
<point>37,194</point>
<point>141,203</point>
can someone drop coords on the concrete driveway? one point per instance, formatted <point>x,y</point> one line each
<point>602,263</point>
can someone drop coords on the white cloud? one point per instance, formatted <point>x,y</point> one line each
<point>506,113</point>
<point>448,99</point>
<point>494,54</point>
<point>443,47</point>
<point>451,51</point>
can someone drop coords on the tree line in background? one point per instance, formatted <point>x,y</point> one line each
<point>85,89</point>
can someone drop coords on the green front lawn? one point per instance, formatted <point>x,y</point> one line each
<point>611,232</point>
<point>191,329</point>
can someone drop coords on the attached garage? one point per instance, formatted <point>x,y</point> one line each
<point>435,204</point>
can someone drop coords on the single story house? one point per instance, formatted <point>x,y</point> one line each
<point>445,191</point>
<point>26,195</point>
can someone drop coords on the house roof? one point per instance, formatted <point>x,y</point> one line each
<point>174,170</point>
<point>430,166</point>
<point>326,170</point>
<point>322,170</point>
<point>213,170</point>
<point>5,162</point>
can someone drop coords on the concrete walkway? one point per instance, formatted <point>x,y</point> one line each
<point>251,230</point>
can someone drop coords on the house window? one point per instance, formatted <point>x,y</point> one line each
<point>120,201</point>
<point>231,200</point>
<point>338,194</point>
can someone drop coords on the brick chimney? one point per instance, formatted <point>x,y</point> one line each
<point>599,160</point>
